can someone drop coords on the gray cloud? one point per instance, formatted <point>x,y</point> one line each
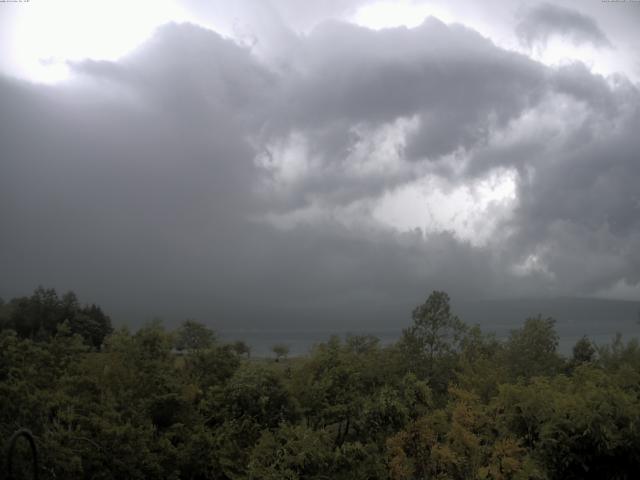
<point>439,67</point>
<point>581,209</point>
<point>546,20</point>
<point>134,186</point>
<point>456,86</point>
<point>150,184</point>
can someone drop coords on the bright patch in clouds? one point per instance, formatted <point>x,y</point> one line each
<point>396,14</point>
<point>375,152</point>
<point>532,265</point>
<point>286,160</point>
<point>560,51</point>
<point>472,211</point>
<point>48,33</point>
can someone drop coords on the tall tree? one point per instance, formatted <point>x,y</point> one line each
<point>280,350</point>
<point>434,339</point>
<point>241,348</point>
<point>39,316</point>
<point>583,351</point>
<point>532,349</point>
<point>193,336</point>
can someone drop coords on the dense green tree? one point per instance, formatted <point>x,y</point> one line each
<point>292,453</point>
<point>579,427</point>
<point>583,352</point>
<point>213,366</point>
<point>362,344</point>
<point>620,355</point>
<point>91,324</point>
<point>328,388</point>
<point>241,348</point>
<point>481,367</point>
<point>445,402</point>
<point>533,349</point>
<point>258,393</point>
<point>193,336</point>
<point>38,317</point>
<point>459,442</point>
<point>432,343</point>
<point>280,350</point>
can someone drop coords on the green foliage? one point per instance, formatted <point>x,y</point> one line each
<point>280,350</point>
<point>620,355</point>
<point>532,350</point>
<point>208,368</point>
<point>459,442</point>
<point>481,367</point>
<point>38,317</point>
<point>329,388</point>
<point>436,330</point>
<point>431,345</point>
<point>292,452</point>
<point>580,427</point>
<point>584,352</point>
<point>193,336</point>
<point>241,348</point>
<point>259,394</point>
<point>445,402</point>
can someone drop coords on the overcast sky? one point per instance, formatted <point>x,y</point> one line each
<point>255,163</point>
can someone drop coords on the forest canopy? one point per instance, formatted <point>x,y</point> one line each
<point>446,401</point>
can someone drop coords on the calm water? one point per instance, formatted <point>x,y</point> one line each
<point>301,342</point>
<point>600,320</point>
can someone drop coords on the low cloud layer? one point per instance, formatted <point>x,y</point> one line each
<point>362,169</point>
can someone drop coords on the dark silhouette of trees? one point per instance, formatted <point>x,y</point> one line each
<point>532,350</point>
<point>280,350</point>
<point>38,317</point>
<point>583,351</point>
<point>241,348</point>
<point>432,343</point>
<point>193,336</point>
<point>445,401</point>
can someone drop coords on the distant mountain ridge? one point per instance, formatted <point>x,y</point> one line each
<point>595,313</point>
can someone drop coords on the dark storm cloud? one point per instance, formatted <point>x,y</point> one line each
<point>125,190</point>
<point>456,84</point>
<point>345,71</point>
<point>134,187</point>
<point>546,20</point>
<point>582,209</point>
<point>190,72</point>
<point>578,82</point>
<point>138,184</point>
